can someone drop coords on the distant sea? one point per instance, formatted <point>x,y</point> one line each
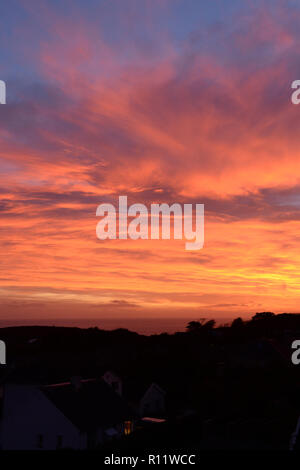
<point>145,326</point>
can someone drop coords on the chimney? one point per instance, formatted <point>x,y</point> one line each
<point>76,382</point>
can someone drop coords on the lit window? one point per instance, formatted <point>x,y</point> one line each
<point>127,427</point>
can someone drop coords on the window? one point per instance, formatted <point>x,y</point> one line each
<point>59,442</point>
<point>127,427</point>
<point>40,441</point>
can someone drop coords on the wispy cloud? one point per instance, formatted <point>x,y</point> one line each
<point>160,107</point>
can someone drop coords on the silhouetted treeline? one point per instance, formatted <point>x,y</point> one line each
<point>46,353</point>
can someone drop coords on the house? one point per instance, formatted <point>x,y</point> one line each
<point>80,414</point>
<point>147,399</point>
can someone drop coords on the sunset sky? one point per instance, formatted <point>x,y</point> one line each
<point>163,101</point>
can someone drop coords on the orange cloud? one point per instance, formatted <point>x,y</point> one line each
<point>179,125</point>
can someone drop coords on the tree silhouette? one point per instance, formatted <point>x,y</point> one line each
<point>263,316</point>
<point>201,325</point>
<point>237,323</point>
<point>193,326</point>
<point>209,325</point>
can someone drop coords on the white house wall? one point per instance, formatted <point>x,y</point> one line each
<point>28,413</point>
<point>153,401</point>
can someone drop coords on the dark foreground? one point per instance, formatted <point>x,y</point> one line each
<point>225,388</point>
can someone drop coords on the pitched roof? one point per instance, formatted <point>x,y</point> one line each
<point>134,389</point>
<point>91,405</point>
